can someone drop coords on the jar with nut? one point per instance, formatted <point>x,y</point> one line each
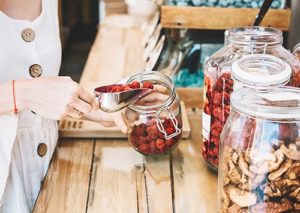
<point>218,81</point>
<point>259,166</point>
<point>155,121</point>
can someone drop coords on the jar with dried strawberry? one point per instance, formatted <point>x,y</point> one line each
<point>155,121</point>
<point>218,82</point>
<point>259,168</point>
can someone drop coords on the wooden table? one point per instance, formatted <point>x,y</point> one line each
<point>109,176</point>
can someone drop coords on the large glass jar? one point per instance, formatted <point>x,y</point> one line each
<point>155,121</point>
<point>217,78</point>
<point>259,168</point>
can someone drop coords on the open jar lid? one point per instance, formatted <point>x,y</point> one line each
<point>282,103</point>
<point>261,70</point>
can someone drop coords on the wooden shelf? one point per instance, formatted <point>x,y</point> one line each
<point>215,18</point>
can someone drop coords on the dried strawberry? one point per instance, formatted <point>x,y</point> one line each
<point>152,146</point>
<point>142,140</point>
<point>170,130</point>
<point>160,144</point>
<point>152,131</point>
<point>147,84</point>
<point>217,100</point>
<point>141,130</point>
<point>144,148</point>
<point>134,85</point>
<point>170,142</point>
<point>214,161</point>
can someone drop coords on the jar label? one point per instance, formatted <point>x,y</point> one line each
<point>205,126</point>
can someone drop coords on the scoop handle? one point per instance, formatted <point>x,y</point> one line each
<point>262,12</point>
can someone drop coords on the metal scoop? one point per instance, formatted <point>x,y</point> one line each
<point>115,101</point>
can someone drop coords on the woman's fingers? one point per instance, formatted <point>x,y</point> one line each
<point>160,89</point>
<point>74,113</point>
<point>153,97</point>
<point>88,98</point>
<point>120,121</point>
<point>81,105</point>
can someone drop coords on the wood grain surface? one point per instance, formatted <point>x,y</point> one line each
<point>110,176</point>
<point>65,189</point>
<point>215,18</point>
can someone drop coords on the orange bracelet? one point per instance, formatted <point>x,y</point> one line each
<point>14,97</point>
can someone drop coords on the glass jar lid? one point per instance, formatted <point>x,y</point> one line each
<point>282,103</point>
<point>261,70</point>
<point>254,35</point>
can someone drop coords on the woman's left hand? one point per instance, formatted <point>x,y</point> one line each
<point>108,119</point>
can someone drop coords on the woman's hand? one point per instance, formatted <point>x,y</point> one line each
<point>54,97</point>
<point>108,119</point>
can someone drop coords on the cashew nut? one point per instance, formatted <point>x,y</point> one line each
<point>273,207</point>
<point>290,153</point>
<point>242,198</point>
<point>225,197</point>
<point>233,173</point>
<point>286,185</point>
<point>235,157</point>
<point>282,169</point>
<point>294,171</point>
<point>297,206</point>
<point>244,166</point>
<point>272,193</point>
<point>268,166</point>
<point>235,208</point>
<point>296,194</point>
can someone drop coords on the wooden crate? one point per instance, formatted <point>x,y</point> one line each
<point>214,18</point>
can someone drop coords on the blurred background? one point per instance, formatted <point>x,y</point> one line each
<point>80,19</point>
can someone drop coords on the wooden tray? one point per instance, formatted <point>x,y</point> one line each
<point>76,128</point>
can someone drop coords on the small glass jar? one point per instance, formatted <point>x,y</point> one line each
<point>155,121</point>
<point>259,168</point>
<point>217,77</point>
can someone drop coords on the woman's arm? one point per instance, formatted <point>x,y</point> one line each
<point>50,97</point>
<point>6,98</point>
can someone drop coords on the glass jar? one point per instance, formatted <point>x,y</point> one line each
<point>217,77</point>
<point>296,51</point>
<point>155,121</point>
<point>259,168</point>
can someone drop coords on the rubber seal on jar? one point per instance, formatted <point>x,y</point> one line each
<point>174,121</point>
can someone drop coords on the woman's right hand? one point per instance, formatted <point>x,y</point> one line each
<point>54,97</point>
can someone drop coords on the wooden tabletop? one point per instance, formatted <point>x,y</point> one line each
<point>109,176</point>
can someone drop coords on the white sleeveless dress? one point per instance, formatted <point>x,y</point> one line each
<point>27,141</point>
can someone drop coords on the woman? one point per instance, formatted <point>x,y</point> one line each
<point>32,98</point>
